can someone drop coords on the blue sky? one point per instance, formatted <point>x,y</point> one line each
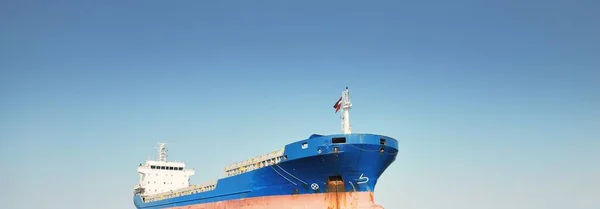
<point>496,104</point>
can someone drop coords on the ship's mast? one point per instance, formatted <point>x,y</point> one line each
<point>345,115</point>
<point>162,152</point>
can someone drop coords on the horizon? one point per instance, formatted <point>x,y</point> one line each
<point>494,105</point>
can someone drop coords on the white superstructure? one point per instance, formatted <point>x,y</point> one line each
<point>158,176</point>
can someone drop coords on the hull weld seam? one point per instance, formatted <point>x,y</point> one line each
<point>366,150</point>
<point>351,184</point>
<point>283,176</point>
<point>291,175</point>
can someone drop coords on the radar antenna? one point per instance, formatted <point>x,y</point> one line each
<point>345,104</point>
<point>346,111</point>
<point>162,151</point>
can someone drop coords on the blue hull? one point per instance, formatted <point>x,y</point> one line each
<point>358,162</point>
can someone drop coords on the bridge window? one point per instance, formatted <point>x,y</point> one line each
<point>152,167</point>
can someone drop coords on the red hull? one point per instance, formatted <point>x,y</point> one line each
<point>333,200</point>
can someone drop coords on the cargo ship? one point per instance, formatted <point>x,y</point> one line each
<point>336,171</point>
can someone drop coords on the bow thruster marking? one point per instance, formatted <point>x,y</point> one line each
<point>362,179</point>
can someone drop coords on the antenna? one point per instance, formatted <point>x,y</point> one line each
<point>345,116</point>
<point>162,151</point>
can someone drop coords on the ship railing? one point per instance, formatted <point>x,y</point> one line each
<point>254,163</point>
<point>193,189</point>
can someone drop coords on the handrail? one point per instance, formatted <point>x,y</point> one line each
<point>192,189</point>
<point>253,163</point>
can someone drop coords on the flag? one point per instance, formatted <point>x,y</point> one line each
<point>338,104</point>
